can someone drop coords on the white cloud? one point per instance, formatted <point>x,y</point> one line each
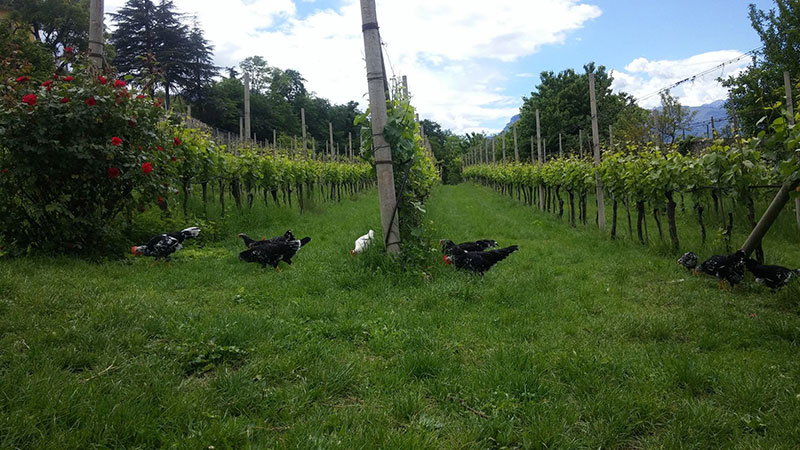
<point>642,78</point>
<point>454,52</point>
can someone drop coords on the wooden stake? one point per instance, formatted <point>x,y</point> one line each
<point>303,122</point>
<point>350,139</point>
<point>580,141</point>
<point>504,148</point>
<point>560,149</point>
<point>516,149</point>
<point>601,206</point>
<point>541,157</point>
<point>494,156</point>
<point>247,134</point>
<point>241,128</point>
<point>330,132</point>
<point>377,103</point>
<point>96,9</point>
<point>787,81</point>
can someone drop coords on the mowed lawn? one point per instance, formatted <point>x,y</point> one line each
<point>574,341</point>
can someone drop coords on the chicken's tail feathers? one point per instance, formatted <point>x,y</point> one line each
<point>190,232</point>
<point>304,241</point>
<point>371,234</point>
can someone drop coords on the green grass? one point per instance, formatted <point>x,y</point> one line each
<point>575,341</point>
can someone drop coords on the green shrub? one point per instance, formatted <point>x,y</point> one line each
<point>74,153</point>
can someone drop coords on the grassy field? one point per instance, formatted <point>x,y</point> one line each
<point>573,342</point>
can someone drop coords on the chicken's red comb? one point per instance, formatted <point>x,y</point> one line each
<point>133,249</point>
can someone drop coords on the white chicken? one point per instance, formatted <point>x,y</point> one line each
<point>363,243</point>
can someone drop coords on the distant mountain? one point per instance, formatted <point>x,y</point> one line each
<point>698,128</point>
<point>511,123</point>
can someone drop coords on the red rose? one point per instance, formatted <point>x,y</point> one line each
<point>68,78</point>
<point>147,167</point>
<point>113,172</point>
<point>5,171</point>
<point>101,79</point>
<point>140,96</point>
<point>160,200</point>
<point>116,141</point>
<point>55,76</point>
<point>47,84</point>
<point>176,141</point>
<point>65,100</point>
<point>29,99</point>
<point>158,102</point>
<point>23,78</point>
<point>160,149</point>
<point>91,101</point>
<point>174,158</point>
<point>132,123</point>
<point>68,49</point>
<point>119,83</point>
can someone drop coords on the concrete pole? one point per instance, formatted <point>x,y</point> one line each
<point>350,139</point>
<point>580,141</point>
<point>516,148</point>
<point>405,88</point>
<point>377,104</point>
<point>241,128</point>
<point>494,154</point>
<point>601,206</point>
<point>96,8</point>
<point>247,135</point>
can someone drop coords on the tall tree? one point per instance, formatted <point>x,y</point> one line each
<point>259,71</point>
<point>761,86</point>
<point>670,118</point>
<point>151,38</point>
<point>563,102</point>
<point>54,23</point>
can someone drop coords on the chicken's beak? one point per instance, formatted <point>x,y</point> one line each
<point>352,253</point>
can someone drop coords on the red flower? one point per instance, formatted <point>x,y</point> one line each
<point>55,76</point>
<point>119,83</point>
<point>160,200</point>
<point>113,172</point>
<point>116,141</point>
<point>68,78</point>
<point>91,101</point>
<point>5,171</point>
<point>176,141</point>
<point>47,84</point>
<point>158,102</point>
<point>29,99</point>
<point>147,167</point>
<point>23,78</point>
<point>65,100</point>
<point>140,96</point>
<point>132,123</point>
<point>68,49</point>
<point>101,79</point>
<point>174,158</point>
<point>160,149</point>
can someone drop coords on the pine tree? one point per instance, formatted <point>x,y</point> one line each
<point>151,39</point>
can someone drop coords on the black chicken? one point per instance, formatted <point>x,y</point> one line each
<point>250,242</point>
<point>479,262</point>
<point>164,245</point>
<point>728,268</point>
<point>688,260</point>
<point>450,248</point>
<point>272,252</point>
<point>773,277</point>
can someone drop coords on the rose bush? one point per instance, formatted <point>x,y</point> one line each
<point>75,152</point>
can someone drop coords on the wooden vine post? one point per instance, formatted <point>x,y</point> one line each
<point>516,149</point>
<point>601,207</point>
<point>247,135</point>
<point>541,157</point>
<point>96,33</point>
<point>330,142</point>
<point>303,124</point>
<point>787,81</point>
<point>377,105</point>
<point>504,148</point>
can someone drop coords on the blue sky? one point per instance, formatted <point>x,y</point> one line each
<point>469,62</point>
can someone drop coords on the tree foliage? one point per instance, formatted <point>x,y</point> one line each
<point>670,118</point>
<point>756,90</point>
<point>152,38</point>
<point>563,103</point>
<point>54,23</point>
